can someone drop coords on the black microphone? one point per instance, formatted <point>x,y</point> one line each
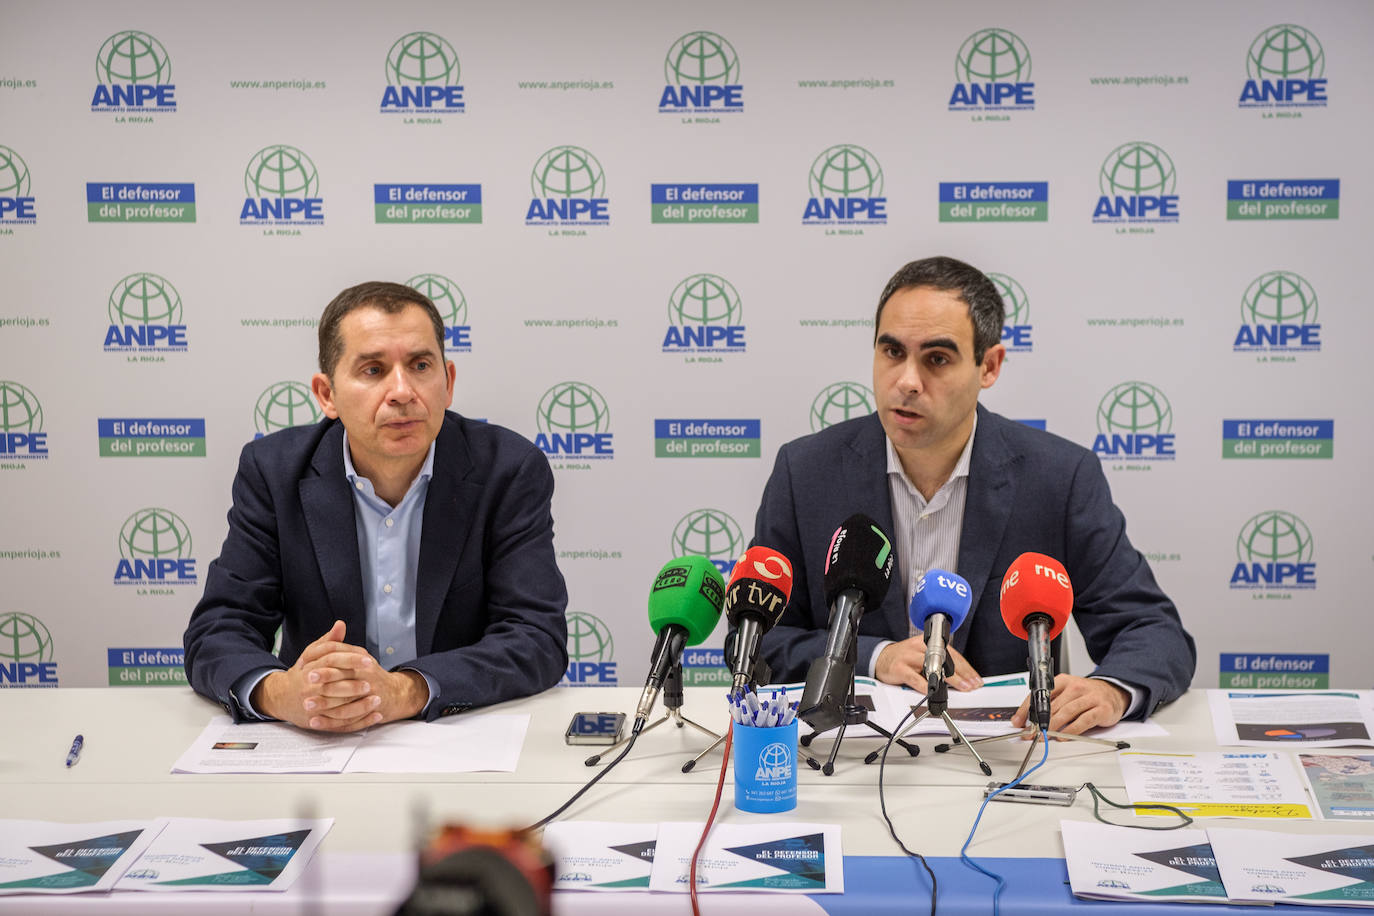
<point>754,600</point>
<point>858,570</point>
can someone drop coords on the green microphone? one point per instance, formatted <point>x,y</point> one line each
<point>684,607</point>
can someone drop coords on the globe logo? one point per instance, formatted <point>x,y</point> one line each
<point>992,56</point>
<point>846,171</point>
<point>1014,299</point>
<point>776,758</point>
<point>701,57</point>
<point>1134,407</point>
<point>421,59</point>
<point>705,299</point>
<point>446,296</point>
<point>573,407</point>
<point>1274,537</point>
<point>839,402</point>
<point>589,639</point>
<point>281,171</point>
<point>1279,297</point>
<point>708,533</point>
<point>132,57</point>
<point>20,411</point>
<point>1285,52</point>
<point>24,638</point>
<point>1135,169</point>
<point>144,299</point>
<point>151,534</point>
<point>567,171</point>
<point>14,174</point>
<point>283,405</point>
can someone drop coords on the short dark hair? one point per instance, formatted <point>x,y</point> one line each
<point>985,308</point>
<point>391,298</point>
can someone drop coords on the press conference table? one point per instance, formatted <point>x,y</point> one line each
<point>365,865</point>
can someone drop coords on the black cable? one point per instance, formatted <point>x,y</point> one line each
<point>882,803</point>
<point>634,736</point>
<point>1097,793</point>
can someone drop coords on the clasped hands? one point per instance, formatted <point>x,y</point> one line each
<point>338,687</point>
<point>1076,703</point>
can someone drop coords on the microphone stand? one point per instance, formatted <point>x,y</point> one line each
<point>854,714</point>
<point>1028,731</point>
<point>672,706</point>
<point>937,704</point>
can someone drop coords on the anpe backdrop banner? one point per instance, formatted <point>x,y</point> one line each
<point>658,234</point>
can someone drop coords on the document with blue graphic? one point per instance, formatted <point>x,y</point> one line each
<point>601,856</point>
<point>42,857</point>
<point>1294,718</point>
<point>1107,862</point>
<point>771,857</point>
<point>192,854</point>
<point>1258,866</point>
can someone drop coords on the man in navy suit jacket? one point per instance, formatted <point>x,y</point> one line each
<point>969,491</point>
<point>406,553</point>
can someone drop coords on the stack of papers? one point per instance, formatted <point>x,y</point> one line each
<point>778,858</point>
<point>1307,718</point>
<point>167,854</point>
<point>1218,865</point>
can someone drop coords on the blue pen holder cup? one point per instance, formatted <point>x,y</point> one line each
<point>765,768</point>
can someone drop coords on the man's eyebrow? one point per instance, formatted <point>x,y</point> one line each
<point>940,343</point>
<point>378,354</point>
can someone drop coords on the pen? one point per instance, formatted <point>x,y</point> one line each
<point>74,754</point>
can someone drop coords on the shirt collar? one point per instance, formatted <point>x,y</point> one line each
<point>426,469</point>
<point>894,464</point>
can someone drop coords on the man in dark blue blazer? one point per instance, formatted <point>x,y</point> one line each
<point>962,488</point>
<point>405,552</point>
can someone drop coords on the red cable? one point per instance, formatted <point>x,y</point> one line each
<point>706,831</point>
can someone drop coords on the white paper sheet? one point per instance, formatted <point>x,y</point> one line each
<point>1259,866</point>
<point>1120,863</point>
<point>1342,785</point>
<point>776,858</point>
<point>192,854</point>
<point>1309,718</point>
<point>43,857</point>
<point>1216,783</point>
<point>601,856</point>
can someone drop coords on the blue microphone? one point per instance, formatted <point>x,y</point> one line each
<point>938,607</point>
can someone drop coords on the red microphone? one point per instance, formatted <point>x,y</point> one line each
<point>1037,600</point>
<point>755,598</point>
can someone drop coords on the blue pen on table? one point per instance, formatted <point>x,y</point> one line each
<point>74,754</point>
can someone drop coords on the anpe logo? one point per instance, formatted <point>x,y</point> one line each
<point>574,422</point>
<point>1285,68</point>
<point>591,652</point>
<point>712,534</point>
<point>839,402</point>
<point>568,187</point>
<point>26,652</point>
<point>133,73</point>
<point>1274,551</point>
<point>282,187</point>
<point>1135,420</point>
<point>422,75</point>
<point>21,423</point>
<point>992,70</point>
<point>283,405</point>
<point>155,549</point>
<point>846,187</point>
<point>1137,183</point>
<point>452,306</point>
<point>1016,326</point>
<point>701,74</point>
<point>775,762</point>
<point>1278,312</point>
<point>16,206</point>
<point>145,315</point>
<point>705,316</point>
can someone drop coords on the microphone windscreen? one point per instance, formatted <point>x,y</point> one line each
<point>1036,584</point>
<point>761,583</point>
<point>860,557</point>
<point>688,592</point>
<point>941,592</point>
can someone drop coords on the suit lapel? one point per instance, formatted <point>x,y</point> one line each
<point>987,509</point>
<point>450,507</point>
<point>328,506</point>
<point>867,461</point>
